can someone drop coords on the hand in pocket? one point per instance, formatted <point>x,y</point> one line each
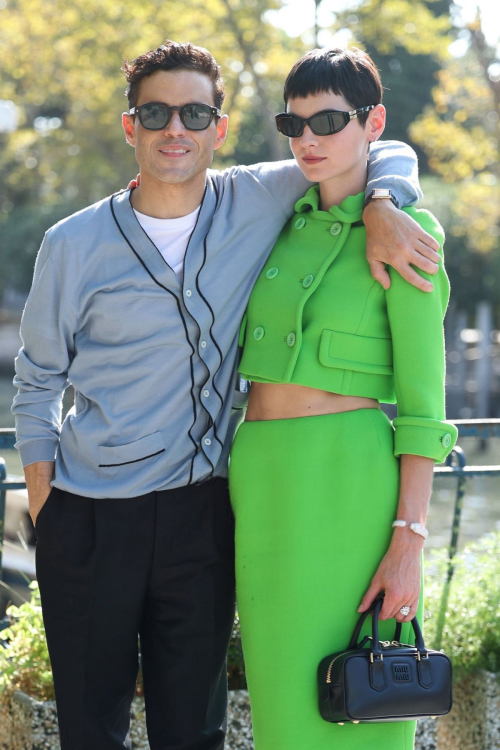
<point>37,502</point>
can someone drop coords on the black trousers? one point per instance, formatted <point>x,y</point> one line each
<point>159,568</point>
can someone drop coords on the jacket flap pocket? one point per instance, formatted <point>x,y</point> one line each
<point>139,450</point>
<point>347,351</point>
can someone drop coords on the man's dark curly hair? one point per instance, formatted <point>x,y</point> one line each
<point>173,56</point>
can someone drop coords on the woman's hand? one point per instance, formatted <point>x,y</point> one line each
<point>399,576</point>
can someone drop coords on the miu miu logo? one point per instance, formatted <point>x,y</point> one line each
<point>401,672</point>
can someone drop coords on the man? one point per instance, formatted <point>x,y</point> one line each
<point>136,301</point>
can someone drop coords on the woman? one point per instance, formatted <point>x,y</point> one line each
<point>318,473</point>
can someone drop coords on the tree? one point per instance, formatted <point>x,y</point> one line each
<point>461,136</point>
<point>61,67</point>
<point>407,42</point>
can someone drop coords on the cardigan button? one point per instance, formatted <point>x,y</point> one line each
<point>258,334</point>
<point>308,281</point>
<point>336,229</point>
<point>272,273</point>
<point>446,440</point>
<point>290,339</point>
<point>300,223</point>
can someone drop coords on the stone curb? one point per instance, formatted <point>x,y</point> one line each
<point>474,723</point>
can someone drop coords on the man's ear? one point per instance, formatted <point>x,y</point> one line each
<point>221,128</point>
<point>375,124</point>
<point>128,124</point>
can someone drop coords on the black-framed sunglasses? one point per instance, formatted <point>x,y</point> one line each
<point>327,122</point>
<point>156,115</point>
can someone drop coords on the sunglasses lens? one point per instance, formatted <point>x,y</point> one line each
<point>196,116</point>
<point>327,123</point>
<point>290,126</point>
<point>154,116</point>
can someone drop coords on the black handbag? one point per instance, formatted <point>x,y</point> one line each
<point>389,681</point>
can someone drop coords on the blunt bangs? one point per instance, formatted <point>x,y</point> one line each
<point>350,73</point>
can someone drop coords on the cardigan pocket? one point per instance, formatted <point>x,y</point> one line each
<point>131,453</point>
<point>347,351</point>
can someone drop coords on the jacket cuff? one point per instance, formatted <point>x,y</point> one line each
<point>420,436</point>
<point>40,449</point>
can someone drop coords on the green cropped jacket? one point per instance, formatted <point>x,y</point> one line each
<point>317,318</point>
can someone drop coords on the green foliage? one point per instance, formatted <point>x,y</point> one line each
<point>61,67</point>
<point>460,134</point>
<point>391,24</point>
<point>24,662</point>
<point>407,42</point>
<point>471,633</point>
<point>22,231</point>
<point>473,276</point>
<point>408,80</point>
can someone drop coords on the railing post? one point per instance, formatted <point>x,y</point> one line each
<point>3,494</point>
<point>461,460</point>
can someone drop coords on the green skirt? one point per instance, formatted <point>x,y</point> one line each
<point>314,499</point>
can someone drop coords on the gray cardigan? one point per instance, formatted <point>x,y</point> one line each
<point>152,363</point>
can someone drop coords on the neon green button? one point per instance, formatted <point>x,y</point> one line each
<point>335,229</point>
<point>272,273</point>
<point>300,223</point>
<point>308,281</point>
<point>446,440</point>
<point>258,334</point>
<point>290,339</point>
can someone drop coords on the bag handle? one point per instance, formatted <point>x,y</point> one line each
<point>375,644</point>
<point>353,644</point>
<point>357,630</point>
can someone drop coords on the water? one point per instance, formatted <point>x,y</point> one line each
<point>481,506</point>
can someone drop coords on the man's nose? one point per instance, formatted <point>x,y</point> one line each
<point>175,126</point>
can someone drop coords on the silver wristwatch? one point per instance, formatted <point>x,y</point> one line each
<point>378,194</point>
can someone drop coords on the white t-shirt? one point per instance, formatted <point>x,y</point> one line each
<point>170,236</point>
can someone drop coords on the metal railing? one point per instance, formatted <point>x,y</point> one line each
<point>456,467</point>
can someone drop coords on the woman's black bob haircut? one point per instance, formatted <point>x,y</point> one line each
<point>350,73</point>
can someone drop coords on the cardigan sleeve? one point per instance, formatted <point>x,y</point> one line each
<point>47,330</point>
<point>391,164</point>
<point>416,322</point>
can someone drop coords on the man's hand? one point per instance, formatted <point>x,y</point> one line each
<point>38,479</point>
<point>394,238</point>
<point>134,183</point>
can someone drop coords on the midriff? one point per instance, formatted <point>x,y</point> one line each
<point>288,401</point>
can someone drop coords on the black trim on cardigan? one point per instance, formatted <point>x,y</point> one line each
<point>213,318</point>
<point>195,444</point>
<point>136,460</point>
